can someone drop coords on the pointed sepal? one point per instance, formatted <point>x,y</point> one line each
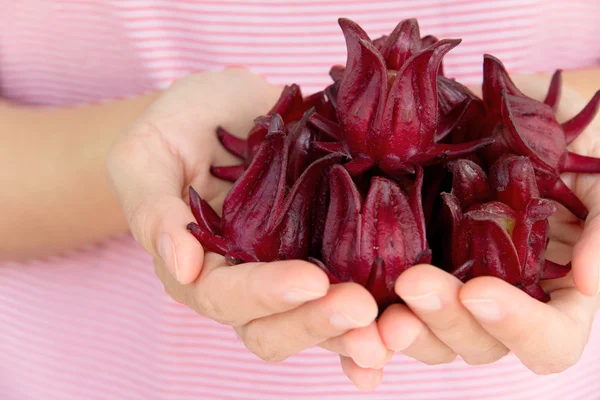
<point>578,123</point>
<point>553,96</point>
<point>228,173</point>
<point>206,217</point>
<point>495,81</point>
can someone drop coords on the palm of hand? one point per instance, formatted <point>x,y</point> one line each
<point>186,120</point>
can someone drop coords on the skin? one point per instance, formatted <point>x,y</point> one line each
<point>57,157</point>
<point>158,145</point>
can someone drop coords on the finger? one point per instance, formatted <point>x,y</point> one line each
<point>232,98</point>
<point>365,379</point>
<point>346,306</point>
<point>239,294</point>
<point>586,256</point>
<point>432,294</point>
<point>363,345</point>
<point>586,253</point>
<point>546,337</point>
<point>402,331</point>
<point>148,182</point>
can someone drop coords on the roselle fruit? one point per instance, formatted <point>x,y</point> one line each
<point>462,114</point>
<point>522,125</point>
<point>389,118</point>
<point>396,48</point>
<point>372,242</point>
<point>291,106</point>
<point>395,164</point>
<point>499,227</point>
<point>263,219</point>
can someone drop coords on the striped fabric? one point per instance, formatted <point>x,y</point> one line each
<point>95,324</point>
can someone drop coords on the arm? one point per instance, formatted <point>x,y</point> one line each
<point>55,194</point>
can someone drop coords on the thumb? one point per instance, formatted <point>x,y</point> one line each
<point>546,337</point>
<point>148,180</point>
<point>586,269</point>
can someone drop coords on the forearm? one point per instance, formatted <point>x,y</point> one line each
<point>55,194</point>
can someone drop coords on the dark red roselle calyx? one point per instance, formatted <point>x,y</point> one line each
<point>499,226</point>
<point>391,120</point>
<point>372,242</point>
<point>263,218</point>
<point>291,106</point>
<point>468,186</point>
<point>524,126</point>
<point>462,113</point>
<point>397,47</point>
<point>454,99</point>
<point>452,93</point>
<point>301,137</point>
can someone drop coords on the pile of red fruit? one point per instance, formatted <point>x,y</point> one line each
<point>395,164</point>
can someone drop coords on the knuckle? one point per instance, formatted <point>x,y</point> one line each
<point>448,358</point>
<point>557,364</point>
<point>545,369</point>
<point>309,331</point>
<point>449,324</point>
<point>262,345</point>
<point>175,295</point>
<point>443,358</point>
<point>422,351</point>
<point>207,306</point>
<point>489,355</point>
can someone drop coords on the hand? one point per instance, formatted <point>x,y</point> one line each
<point>486,318</point>
<point>278,309</point>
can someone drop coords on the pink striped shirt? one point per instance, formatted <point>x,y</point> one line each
<point>95,324</point>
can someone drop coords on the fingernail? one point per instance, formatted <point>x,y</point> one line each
<point>343,322</point>
<point>377,364</point>
<point>405,340</point>
<point>485,310</point>
<point>298,296</point>
<point>166,250</point>
<point>428,302</point>
<point>361,364</point>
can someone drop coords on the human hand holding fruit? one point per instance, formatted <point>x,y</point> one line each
<point>278,308</point>
<point>436,336</point>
